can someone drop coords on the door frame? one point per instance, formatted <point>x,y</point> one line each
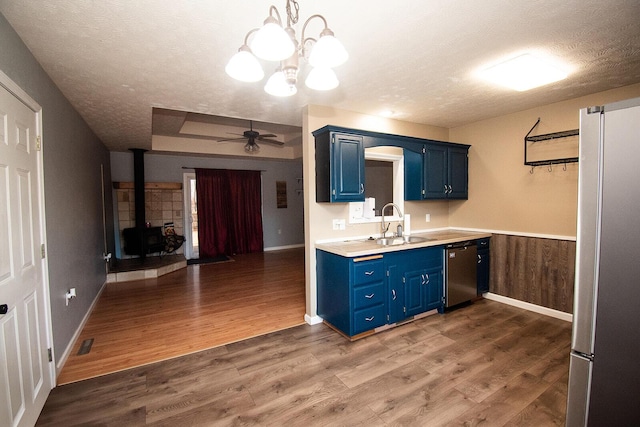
<point>186,197</point>
<point>18,92</point>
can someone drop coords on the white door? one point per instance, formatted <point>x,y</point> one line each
<point>26,375</point>
<point>191,216</point>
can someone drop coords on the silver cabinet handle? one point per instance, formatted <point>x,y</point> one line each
<point>479,259</point>
<point>445,189</point>
<point>369,319</point>
<point>426,279</point>
<point>369,296</point>
<point>361,188</point>
<point>393,293</point>
<point>369,273</point>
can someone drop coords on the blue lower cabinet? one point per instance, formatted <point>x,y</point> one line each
<point>483,265</point>
<point>356,295</point>
<point>369,318</point>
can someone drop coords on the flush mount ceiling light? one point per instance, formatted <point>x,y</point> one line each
<point>273,42</point>
<point>523,72</point>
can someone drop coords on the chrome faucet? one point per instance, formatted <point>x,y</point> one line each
<point>384,228</point>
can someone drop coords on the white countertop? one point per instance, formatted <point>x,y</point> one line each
<point>364,247</point>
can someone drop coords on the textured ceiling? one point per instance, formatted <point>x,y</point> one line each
<point>115,60</point>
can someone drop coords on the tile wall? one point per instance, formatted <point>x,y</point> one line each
<point>161,206</point>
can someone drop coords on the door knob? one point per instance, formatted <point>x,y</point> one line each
<point>4,308</point>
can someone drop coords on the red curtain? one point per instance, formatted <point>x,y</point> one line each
<point>229,212</point>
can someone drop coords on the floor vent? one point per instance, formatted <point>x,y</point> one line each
<point>85,347</point>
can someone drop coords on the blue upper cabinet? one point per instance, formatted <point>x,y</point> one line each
<point>458,173</point>
<point>432,169</point>
<point>436,176</point>
<point>339,167</point>
<point>439,172</point>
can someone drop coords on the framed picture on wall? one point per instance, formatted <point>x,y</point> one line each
<point>281,194</point>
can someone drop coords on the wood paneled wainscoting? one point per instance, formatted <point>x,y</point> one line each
<point>536,270</point>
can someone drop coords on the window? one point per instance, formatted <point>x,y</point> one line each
<point>386,165</point>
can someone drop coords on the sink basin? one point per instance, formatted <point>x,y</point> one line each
<point>393,241</point>
<point>390,241</point>
<point>416,239</point>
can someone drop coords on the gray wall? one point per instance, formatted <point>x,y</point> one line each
<point>72,186</point>
<point>290,221</point>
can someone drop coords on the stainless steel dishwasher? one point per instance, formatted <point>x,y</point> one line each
<point>461,272</point>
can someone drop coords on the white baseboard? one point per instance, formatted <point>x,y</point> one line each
<point>67,351</point>
<point>568,317</point>
<point>279,248</point>
<point>313,320</point>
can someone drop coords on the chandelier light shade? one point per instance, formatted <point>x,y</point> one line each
<point>271,42</point>
<point>277,85</point>
<point>244,66</point>
<point>274,42</point>
<point>328,51</point>
<point>322,78</point>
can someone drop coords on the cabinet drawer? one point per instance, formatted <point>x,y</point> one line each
<point>368,295</point>
<point>369,318</point>
<point>368,271</point>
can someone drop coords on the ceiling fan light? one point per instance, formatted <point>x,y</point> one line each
<point>244,66</point>
<point>251,148</point>
<point>271,42</point>
<point>322,78</point>
<point>277,85</point>
<point>328,51</point>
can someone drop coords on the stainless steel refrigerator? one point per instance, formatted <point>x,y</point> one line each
<point>604,373</point>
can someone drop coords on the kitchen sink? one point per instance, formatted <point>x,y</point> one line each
<point>393,241</point>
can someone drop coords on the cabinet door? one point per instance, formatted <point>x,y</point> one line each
<point>415,292</point>
<point>435,172</point>
<point>433,289</point>
<point>483,271</point>
<point>396,292</point>
<point>347,166</point>
<point>413,171</point>
<point>458,173</point>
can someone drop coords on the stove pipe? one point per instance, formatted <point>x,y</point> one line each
<point>138,190</point>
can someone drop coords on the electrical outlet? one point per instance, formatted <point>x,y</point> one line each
<point>279,231</point>
<point>339,224</point>
<point>427,217</point>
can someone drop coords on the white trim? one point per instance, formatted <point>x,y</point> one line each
<point>186,199</point>
<point>18,92</point>
<point>67,351</point>
<point>568,317</point>
<point>313,320</point>
<point>518,233</point>
<point>279,248</point>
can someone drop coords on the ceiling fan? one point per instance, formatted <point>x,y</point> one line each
<point>252,136</point>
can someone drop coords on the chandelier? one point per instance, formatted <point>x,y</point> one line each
<point>272,42</point>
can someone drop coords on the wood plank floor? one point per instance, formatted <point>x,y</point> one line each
<point>484,364</point>
<point>192,309</point>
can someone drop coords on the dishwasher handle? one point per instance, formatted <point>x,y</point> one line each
<point>461,245</point>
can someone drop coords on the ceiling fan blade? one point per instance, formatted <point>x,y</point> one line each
<point>267,135</point>
<point>232,139</point>
<point>271,141</point>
